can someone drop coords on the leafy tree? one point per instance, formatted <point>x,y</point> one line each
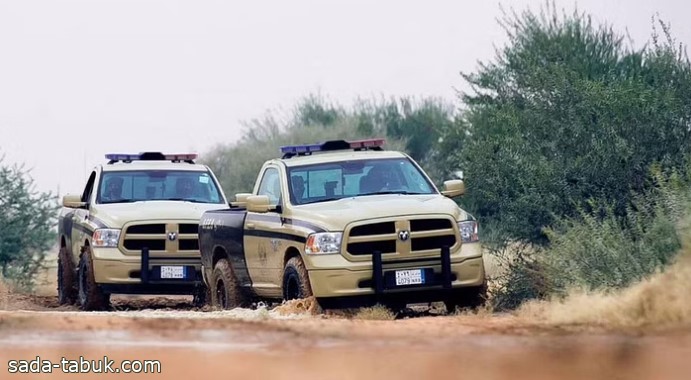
<point>27,220</point>
<point>567,113</point>
<point>419,125</point>
<point>314,110</point>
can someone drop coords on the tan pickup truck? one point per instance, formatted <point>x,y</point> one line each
<point>348,223</point>
<point>134,228</point>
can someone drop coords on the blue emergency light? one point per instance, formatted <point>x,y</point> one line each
<point>150,156</point>
<point>122,157</point>
<point>301,150</point>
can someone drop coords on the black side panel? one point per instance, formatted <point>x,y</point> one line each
<point>225,229</point>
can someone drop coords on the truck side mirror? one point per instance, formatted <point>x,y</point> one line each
<point>453,188</point>
<point>259,203</point>
<point>73,201</point>
<point>240,200</point>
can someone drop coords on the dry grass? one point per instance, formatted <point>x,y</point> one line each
<point>661,300</point>
<point>375,313</point>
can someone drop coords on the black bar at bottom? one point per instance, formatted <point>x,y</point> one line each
<point>446,267</point>
<point>378,275</point>
<point>145,265</point>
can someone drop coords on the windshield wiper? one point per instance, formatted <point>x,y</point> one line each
<point>404,192</point>
<point>180,199</point>
<point>121,201</point>
<point>323,200</point>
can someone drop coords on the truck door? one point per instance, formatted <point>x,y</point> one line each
<point>80,218</point>
<point>262,233</point>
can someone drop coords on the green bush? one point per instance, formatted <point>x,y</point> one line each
<point>598,250</point>
<point>27,221</point>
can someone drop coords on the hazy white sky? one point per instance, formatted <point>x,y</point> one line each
<point>79,79</point>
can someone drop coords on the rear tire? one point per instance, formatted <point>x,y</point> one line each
<point>296,282</point>
<point>67,279</point>
<point>226,292</point>
<point>91,297</point>
<point>471,297</point>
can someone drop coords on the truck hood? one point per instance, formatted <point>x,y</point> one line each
<point>336,215</point>
<point>117,214</point>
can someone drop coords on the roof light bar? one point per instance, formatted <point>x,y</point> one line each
<point>301,149</point>
<point>122,157</point>
<point>294,150</point>
<point>181,157</point>
<point>150,156</point>
<point>367,143</point>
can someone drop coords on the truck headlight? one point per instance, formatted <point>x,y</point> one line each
<point>105,237</point>
<point>323,243</point>
<point>468,229</point>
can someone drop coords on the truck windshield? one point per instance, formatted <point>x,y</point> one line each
<point>158,185</point>
<point>336,180</point>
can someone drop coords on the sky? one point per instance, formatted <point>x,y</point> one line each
<point>79,79</point>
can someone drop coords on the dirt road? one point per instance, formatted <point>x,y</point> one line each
<point>278,344</point>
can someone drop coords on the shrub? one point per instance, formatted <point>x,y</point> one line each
<point>598,250</point>
<point>27,221</point>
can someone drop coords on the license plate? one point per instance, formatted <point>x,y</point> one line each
<point>172,272</point>
<point>410,277</point>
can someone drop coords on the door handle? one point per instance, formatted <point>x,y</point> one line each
<point>250,226</point>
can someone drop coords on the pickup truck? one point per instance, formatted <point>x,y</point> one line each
<point>346,222</point>
<point>133,230</point>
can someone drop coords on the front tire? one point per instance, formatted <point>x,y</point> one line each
<point>226,292</point>
<point>67,279</point>
<point>296,282</point>
<point>91,297</point>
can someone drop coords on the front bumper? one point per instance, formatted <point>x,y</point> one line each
<point>142,274</point>
<point>446,272</point>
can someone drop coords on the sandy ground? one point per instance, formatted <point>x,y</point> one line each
<point>285,344</point>
<point>288,342</point>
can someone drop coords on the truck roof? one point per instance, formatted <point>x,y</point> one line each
<point>337,156</point>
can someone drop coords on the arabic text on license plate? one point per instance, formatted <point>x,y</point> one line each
<point>172,272</point>
<point>410,277</point>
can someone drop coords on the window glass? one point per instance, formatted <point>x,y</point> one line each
<point>271,186</point>
<point>330,181</point>
<point>158,185</point>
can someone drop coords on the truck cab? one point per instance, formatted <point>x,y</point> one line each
<point>348,223</point>
<point>133,230</point>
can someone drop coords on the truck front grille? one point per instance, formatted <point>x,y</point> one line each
<point>138,245</point>
<point>161,237</point>
<point>426,234</point>
<point>366,248</point>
